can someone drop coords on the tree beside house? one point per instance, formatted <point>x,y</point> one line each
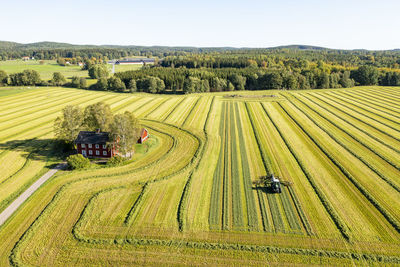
<point>97,133</point>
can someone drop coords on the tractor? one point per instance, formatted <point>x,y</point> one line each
<point>275,184</point>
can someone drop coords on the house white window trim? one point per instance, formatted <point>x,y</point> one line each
<point>83,145</point>
<point>97,153</point>
<point>84,153</point>
<point>97,145</point>
<point>90,145</point>
<point>90,152</point>
<point>104,146</point>
<point>104,153</point>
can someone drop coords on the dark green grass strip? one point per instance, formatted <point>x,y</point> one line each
<point>263,209</point>
<point>290,213</point>
<point>225,200</point>
<point>277,216</point>
<point>237,208</point>
<point>247,182</point>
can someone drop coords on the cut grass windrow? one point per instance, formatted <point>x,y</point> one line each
<point>279,225</point>
<point>342,227</point>
<point>130,217</point>
<point>346,99</point>
<point>182,208</point>
<point>393,221</point>
<point>263,210</point>
<point>374,104</point>
<point>250,202</point>
<point>173,110</point>
<point>352,124</point>
<point>191,111</point>
<point>360,120</point>
<point>303,217</point>
<point>289,211</point>
<point>366,163</point>
<point>265,159</point>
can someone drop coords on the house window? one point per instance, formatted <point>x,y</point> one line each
<point>84,153</point>
<point>90,152</point>
<point>97,146</point>
<point>83,145</point>
<point>97,152</point>
<point>104,153</point>
<point>104,146</point>
<point>90,145</point>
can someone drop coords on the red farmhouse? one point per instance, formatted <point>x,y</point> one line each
<point>93,144</point>
<point>144,135</point>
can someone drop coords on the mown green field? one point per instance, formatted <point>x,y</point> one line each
<point>190,199</point>
<point>47,69</point>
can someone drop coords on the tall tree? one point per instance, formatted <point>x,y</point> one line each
<point>3,78</point>
<point>125,132</point>
<point>67,126</point>
<point>98,71</point>
<point>98,116</point>
<point>58,79</point>
<point>115,84</point>
<point>366,75</point>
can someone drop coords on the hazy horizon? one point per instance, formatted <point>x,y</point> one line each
<point>342,24</point>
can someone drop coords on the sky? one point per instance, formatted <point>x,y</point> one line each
<point>341,24</point>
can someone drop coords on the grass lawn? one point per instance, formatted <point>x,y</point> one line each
<point>45,70</point>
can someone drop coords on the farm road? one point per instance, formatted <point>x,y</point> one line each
<point>28,192</point>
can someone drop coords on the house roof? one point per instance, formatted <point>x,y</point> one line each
<point>135,60</point>
<point>91,137</point>
<point>143,132</point>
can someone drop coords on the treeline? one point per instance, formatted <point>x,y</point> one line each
<point>176,80</point>
<point>160,80</point>
<point>193,57</point>
<point>287,58</point>
<point>230,79</point>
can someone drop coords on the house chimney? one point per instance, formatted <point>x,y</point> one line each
<point>98,130</point>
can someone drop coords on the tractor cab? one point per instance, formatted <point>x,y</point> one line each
<point>275,184</point>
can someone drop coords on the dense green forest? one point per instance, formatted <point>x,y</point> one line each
<point>190,69</point>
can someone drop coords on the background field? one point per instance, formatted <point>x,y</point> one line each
<point>191,197</point>
<point>47,69</point>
